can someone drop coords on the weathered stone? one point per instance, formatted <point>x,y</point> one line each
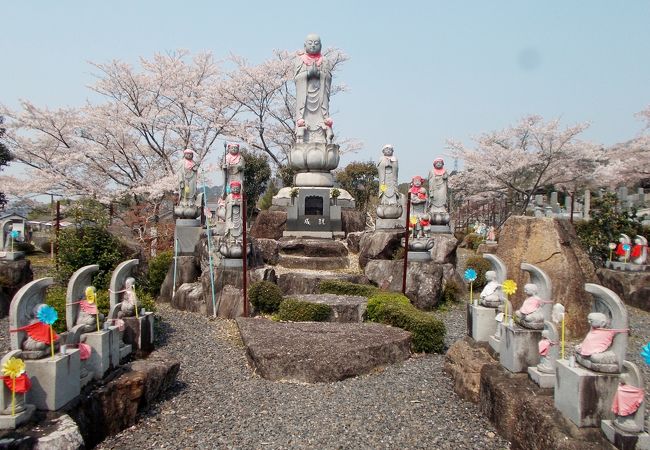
<point>232,277</point>
<point>13,276</point>
<point>269,249</point>
<point>298,282</point>
<point>524,414</point>
<point>423,280</point>
<point>312,247</point>
<point>553,246</point>
<point>450,274</point>
<point>379,245</point>
<point>352,221</point>
<point>632,287</point>
<point>345,308</point>
<point>63,435</point>
<point>313,262</point>
<point>113,407</point>
<point>269,225</point>
<point>463,362</point>
<point>487,248</point>
<point>187,271</point>
<point>444,248</point>
<point>354,239</point>
<point>231,302</point>
<point>189,297</point>
<point>316,352</point>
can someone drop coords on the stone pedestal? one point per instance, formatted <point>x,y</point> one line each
<point>519,348</point>
<point>419,256</point>
<point>543,380</point>
<point>313,214</point>
<point>9,422</point>
<point>623,440</point>
<point>187,235</point>
<point>480,322</point>
<point>55,381</point>
<point>11,256</point>
<point>495,340</point>
<point>584,396</point>
<point>389,224</point>
<point>106,351</point>
<point>138,332</point>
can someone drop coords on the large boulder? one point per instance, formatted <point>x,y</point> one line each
<point>551,245</point>
<point>269,249</point>
<point>352,220</point>
<point>313,247</point>
<point>228,284</point>
<point>632,287</point>
<point>61,433</point>
<point>13,276</point>
<point>188,270</point>
<point>315,352</point>
<point>424,280</point>
<point>189,297</point>
<point>463,362</point>
<point>379,245</point>
<point>269,225</point>
<point>444,248</point>
<point>303,282</point>
<point>345,308</point>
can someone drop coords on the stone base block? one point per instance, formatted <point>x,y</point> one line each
<point>106,351</point>
<point>187,238</point>
<point>9,422</point>
<point>312,234</point>
<point>12,256</point>
<point>480,323</point>
<point>495,343</point>
<point>419,256</point>
<point>315,179</point>
<point>389,224</point>
<point>623,440</point>
<point>345,308</point>
<point>584,396</point>
<point>440,229</point>
<point>55,381</point>
<point>541,379</point>
<point>313,262</point>
<point>125,350</point>
<point>138,332</point>
<point>519,349</point>
<point>233,263</point>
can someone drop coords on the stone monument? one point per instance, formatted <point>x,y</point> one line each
<point>21,412</point>
<point>626,430</point>
<point>232,242</point>
<point>481,323</point>
<point>438,197</point>
<point>12,231</point>
<point>586,384</point>
<point>420,240</point>
<point>189,210</point>
<point>312,209</point>
<point>389,210</point>
<point>55,379</point>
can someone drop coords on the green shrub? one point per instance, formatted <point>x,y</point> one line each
<point>55,297</point>
<point>292,310</point>
<point>346,288</point>
<point>474,240</point>
<point>158,267</point>
<point>378,299</point>
<point>265,296</point>
<point>427,332</point>
<point>480,265</point>
<point>24,247</point>
<point>451,292</point>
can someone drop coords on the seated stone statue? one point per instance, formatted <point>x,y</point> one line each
<point>530,315</point>
<point>546,365</point>
<point>594,352</point>
<point>37,343</point>
<point>491,294</point>
<point>129,300</point>
<point>88,310</point>
<point>627,400</point>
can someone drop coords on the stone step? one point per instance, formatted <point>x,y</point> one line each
<point>312,247</point>
<point>315,352</point>
<point>345,308</point>
<point>306,282</point>
<point>313,262</point>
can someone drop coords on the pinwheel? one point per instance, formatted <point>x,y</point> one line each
<point>470,275</point>
<point>15,379</point>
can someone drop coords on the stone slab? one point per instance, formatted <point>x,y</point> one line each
<point>232,263</point>
<point>463,362</point>
<point>312,247</point>
<point>419,256</point>
<point>55,381</point>
<point>495,343</point>
<point>519,348</point>
<point>623,440</point>
<point>440,229</point>
<point>9,422</point>
<point>309,234</point>
<point>313,262</point>
<point>187,238</point>
<point>314,352</point>
<point>345,308</point>
<point>481,323</point>
<point>138,332</point>
<point>105,346</point>
<point>541,379</point>
<point>584,396</point>
<point>303,282</point>
<point>389,224</point>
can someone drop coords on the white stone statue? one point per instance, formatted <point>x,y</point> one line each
<point>187,175</point>
<point>232,240</point>
<point>629,399</point>
<point>531,315</point>
<point>233,165</point>
<point>313,77</point>
<point>548,348</point>
<point>129,299</point>
<point>491,295</point>
<point>491,234</point>
<point>420,219</point>
<point>438,187</point>
<point>639,252</point>
<point>623,255</point>
<point>389,206</point>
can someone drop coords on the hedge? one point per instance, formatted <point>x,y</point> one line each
<point>292,310</point>
<point>346,288</point>
<point>480,265</point>
<point>265,296</point>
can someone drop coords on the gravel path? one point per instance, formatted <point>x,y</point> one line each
<point>219,403</point>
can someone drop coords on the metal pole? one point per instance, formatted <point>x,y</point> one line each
<point>245,256</point>
<point>572,194</point>
<point>406,241</point>
<point>56,231</point>
<point>207,227</point>
<point>175,265</point>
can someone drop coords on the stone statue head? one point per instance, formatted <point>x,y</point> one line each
<point>416,181</point>
<point>387,150</point>
<point>438,163</point>
<point>188,153</point>
<point>546,334</point>
<point>490,275</point>
<point>312,44</point>
<point>530,289</point>
<point>598,320</point>
<point>235,187</point>
<point>129,283</point>
<point>233,149</point>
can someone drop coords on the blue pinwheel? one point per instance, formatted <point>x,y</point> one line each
<point>470,275</point>
<point>47,315</point>
<point>15,234</point>
<point>645,353</point>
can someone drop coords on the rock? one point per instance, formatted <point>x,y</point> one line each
<point>463,362</point>
<point>269,250</point>
<point>189,297</point>
<point>13,276</point>
<point>300,282</point>
<point>345,308</point>
<point>553,246</point>
<point>269,225</point>
<point>64,436</point>
<point>313,262</point>
<point>444,248</point>
<point>312,247</point>
<point>113,407</point>
<point>231,302</point>
<point>352,220</point>
<point>487,248</point>
<point>423,280</point>
<point>187,271</point>
<point>353,240</point>
<point>314,352</point>
<point>524,414</point>
<point>379,245</point>
<point>632,287</point>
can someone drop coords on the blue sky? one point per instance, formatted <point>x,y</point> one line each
<point>420,71</point>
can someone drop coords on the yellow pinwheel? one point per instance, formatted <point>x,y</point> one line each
<point>13,368</point>
<point>509,287</point>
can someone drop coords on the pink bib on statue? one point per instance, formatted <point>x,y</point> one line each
<point>531,304</point>
<point>597,340</point>
<point>544,346</point>
<point>627,400</point>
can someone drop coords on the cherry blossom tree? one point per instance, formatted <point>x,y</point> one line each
<point>522,158</point>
